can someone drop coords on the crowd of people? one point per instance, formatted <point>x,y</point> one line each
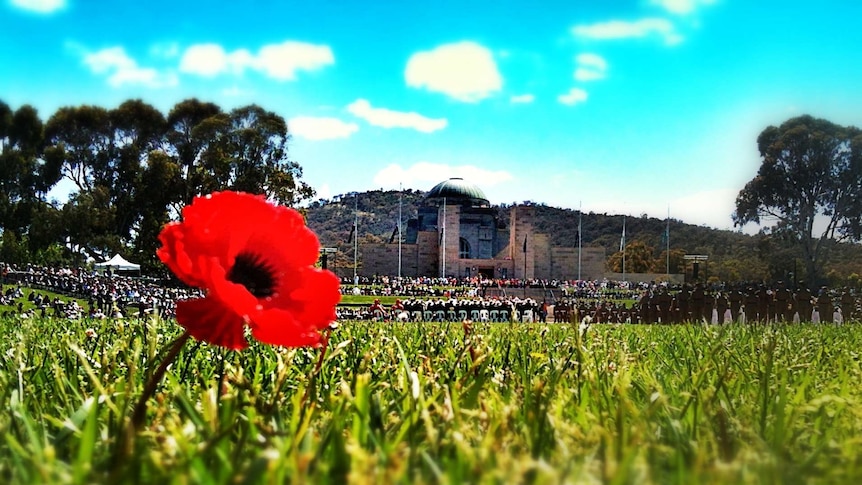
<point>106,294</point>
<point>719,304</point>
<point>425,286</point>
<point>629,302</point>
<point>505,309</point>
<point>453,299</point>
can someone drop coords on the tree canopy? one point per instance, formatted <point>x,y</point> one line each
<point>808,189</point>
<point>131,168</point>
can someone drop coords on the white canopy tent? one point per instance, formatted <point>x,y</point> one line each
<point>118,263</point>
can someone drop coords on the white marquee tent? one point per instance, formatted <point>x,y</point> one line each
<point>118,263</point>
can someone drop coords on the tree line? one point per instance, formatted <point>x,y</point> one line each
<point>131,169</point>
<point>767,256</point>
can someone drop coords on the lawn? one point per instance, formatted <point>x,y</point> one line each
<point>436,403</point>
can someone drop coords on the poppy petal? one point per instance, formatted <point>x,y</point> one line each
<point>234,297</point>
<point>174,255</point>
<point>318,296</point>
<point>279,327</point>
<point>255,261</point>
<point>208,320</point>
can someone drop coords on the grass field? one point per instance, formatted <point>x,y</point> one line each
<point>437,403</point>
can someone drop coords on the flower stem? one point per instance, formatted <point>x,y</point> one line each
<point>141,407</point>
<point>125,444</point>
<point>312,381</point>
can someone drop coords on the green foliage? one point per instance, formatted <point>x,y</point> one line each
<point>810,180</point>
<point>638,258</point>
<point>332,220</point>
<point>733,256</point>
<point>432,403</point>
<point>134,169</point>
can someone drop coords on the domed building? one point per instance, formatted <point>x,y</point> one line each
<point>458,233</point>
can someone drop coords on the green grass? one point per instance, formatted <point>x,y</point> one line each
<point>28,305</point>
<point>433,403</point>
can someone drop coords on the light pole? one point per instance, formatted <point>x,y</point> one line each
<point>355,235</point>
<point>400,193</point>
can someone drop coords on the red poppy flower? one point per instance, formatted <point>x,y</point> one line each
<point>254,260</point>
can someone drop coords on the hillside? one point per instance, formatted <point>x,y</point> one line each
<point>733,256</point>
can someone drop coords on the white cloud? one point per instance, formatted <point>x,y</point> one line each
<point>465,71</point>
<point>711,207</point>
<point>423,174</point>
<point>320,128</point>
<point>324,192</point>
<point>622,29</point>
<point>281,61</point>
<point>388,118</point>
<point>590,67</point>
<point>204,60</point>
<point>522,99</point>
<point>592,60</point>
<point>277,61</point>
<point>40,6</point>
<point>681,7</point>
<point>122,69</point>
<point>573,97</point>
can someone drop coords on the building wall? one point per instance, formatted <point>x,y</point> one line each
<point>382,259</point>
<point>478,226</point>
<point>542,260</point>
<point>472,267</point>
<point>427,254</point>
<point>450,218</point>
<point>520,228</point>
<point>425,257</point>
<point>564,263</point>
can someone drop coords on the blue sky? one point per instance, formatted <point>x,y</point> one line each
<point>618,106</point>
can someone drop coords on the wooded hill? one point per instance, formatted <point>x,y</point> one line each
<point>733,256</point>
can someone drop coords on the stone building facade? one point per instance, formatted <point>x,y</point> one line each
<point>457,233</point>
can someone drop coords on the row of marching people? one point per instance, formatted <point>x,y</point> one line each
<point>451,310</point>
<point>752,304</point>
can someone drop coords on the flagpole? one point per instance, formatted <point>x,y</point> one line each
<point>444,237</point>
<point>580,215</point>
<point>623,242</point>
<point>667,240</point>
<point>355,234</point>
<point>400,193</point>
<point>525,266</point>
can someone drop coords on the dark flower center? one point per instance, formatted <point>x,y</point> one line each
<point>249,271</point>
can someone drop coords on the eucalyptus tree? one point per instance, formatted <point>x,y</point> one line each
<point>192,127</point>
<point>252,157</point>
<point>19,167</point>
<point>104,154</point>
<point>808,188</point>
<point>245,149</point>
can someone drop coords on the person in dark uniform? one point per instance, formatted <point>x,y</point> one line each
<point>708,305</point>
<point>824,305</point>
<point>697,300</point>
<point>721,305</point>
<point>683,304</point>
<point>804,305</point>
<point>643,307</point>
<point>734,301</point>
<point>848,305</point>
<point>751,315</point>
<point>782,303</point>
<point>664,302</point>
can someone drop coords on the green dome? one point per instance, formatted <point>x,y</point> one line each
<point>457,190</point>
